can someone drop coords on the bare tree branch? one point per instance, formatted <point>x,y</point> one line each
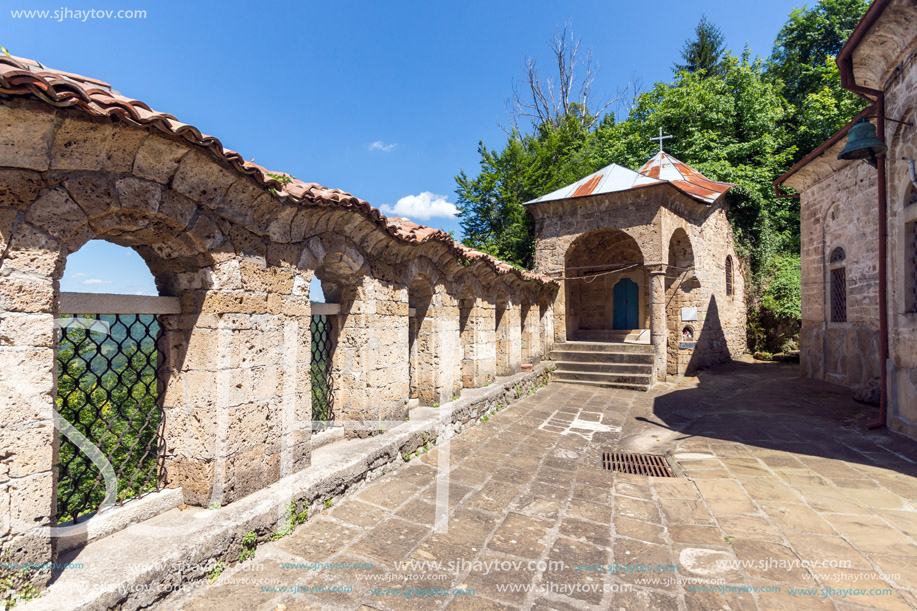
<point>548,101</point>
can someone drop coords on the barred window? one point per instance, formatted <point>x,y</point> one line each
<point>838,285</point>
<point>729,275</point>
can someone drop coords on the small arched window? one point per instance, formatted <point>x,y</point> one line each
<point>837,265</point>
<point>729,275</point>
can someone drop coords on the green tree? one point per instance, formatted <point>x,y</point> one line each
<point>728,127</point>
<point>706,51</point>
<point>802,64</point>
<point>491,209</point>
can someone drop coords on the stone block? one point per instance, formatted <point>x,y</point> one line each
<point>141,195</point>
<point>122,148</point>
<point>81,144</point>
<point>158,158</point>
<point>56,213</point>
<point>92,193</point>
<point>18,188</point>
<point>26,137</point>
<point>178,208</point>
<point>191,432</point>
<point>34,498</point>
<point>21,329</point>
<point>201,177</point>
<point>28,449</point>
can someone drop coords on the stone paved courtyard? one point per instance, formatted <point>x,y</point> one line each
<point>779,471</point>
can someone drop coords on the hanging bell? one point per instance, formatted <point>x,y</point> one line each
<point>862,142</point>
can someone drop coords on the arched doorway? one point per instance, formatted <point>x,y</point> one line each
<point>606,287</point>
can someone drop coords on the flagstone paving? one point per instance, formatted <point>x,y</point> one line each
<point>779,472</point>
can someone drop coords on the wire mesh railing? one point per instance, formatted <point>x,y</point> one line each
<point>108,390</point>
<point>322,381</point>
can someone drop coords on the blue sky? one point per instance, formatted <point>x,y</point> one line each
<point>387,100</point>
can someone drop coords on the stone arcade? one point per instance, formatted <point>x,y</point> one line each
<point>419,315</point>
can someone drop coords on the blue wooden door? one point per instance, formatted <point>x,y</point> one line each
<point>626,305</point>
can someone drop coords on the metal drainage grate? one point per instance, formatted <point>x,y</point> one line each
<point>651,465</point>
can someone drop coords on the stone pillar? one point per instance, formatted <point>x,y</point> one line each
<point>448,355</point>
<point>658,331</point>
<point>237,400</point>
<point>28,437</point>
<point>371,376</point>
<point>486,341</point>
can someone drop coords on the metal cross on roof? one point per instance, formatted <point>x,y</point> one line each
<point>660,138</point>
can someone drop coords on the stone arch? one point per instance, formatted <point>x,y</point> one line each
<point>681,291</point>
<point>594,263</point>
<point>174,205</point>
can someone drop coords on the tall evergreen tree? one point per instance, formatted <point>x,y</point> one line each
<point>706,51</point>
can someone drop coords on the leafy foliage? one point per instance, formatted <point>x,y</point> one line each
<point>802,64</point>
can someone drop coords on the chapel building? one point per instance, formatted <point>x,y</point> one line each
<point>647,265</point>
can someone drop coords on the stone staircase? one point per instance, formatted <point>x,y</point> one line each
<point>606,364</point>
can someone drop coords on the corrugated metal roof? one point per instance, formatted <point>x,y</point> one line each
<point>661,169</point>
<point>684,178</point>
<point>609,179</point>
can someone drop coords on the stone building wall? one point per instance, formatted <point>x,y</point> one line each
<point>839,207</point>
<point>840,212</point>
<point>238,249</point>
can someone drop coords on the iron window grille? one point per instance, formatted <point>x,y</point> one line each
<point>839,294</point>
<point>322,380</point>
<point>729,276</point>
<point>109,390</point>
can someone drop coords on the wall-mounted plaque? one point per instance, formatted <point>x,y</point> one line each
<point>686,345</point>
<point>688,314</point>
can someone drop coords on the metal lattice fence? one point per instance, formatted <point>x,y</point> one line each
<point>108,390</point>
<point>839,295</point>
<point>322,381</point>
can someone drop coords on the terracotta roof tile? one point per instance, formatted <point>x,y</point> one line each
<point>21,77</point>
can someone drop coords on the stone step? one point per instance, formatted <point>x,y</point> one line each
<point>636,336</point>
<point>603,384</point>
<point>610,347</point>
<point>608,379</point>
<point>637,358</point>
<point>613,368</point>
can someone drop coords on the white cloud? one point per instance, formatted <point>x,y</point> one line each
<point>79,275</point>
<point>95,281</point>
<point>422,207</point>
<point>378,145</point>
